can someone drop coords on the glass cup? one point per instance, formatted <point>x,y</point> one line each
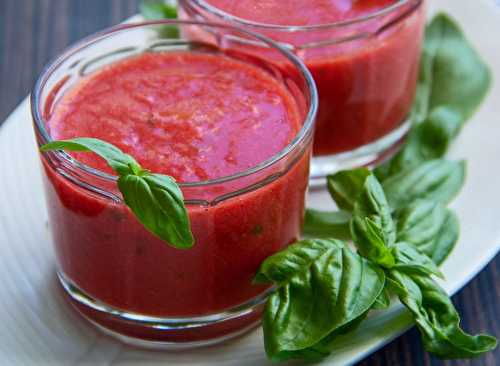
<point>365,69</point>
<point>119,276</point>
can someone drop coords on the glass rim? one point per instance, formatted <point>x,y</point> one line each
<point>297,28</point>
<point>51,66</point>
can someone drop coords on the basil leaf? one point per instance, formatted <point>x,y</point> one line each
<point>157,202</point>
<point>383,300</point>
<point>345,186</point>
<point>410,260</point>
<point>155,199</point>
<point>327,224</point>
<point>310,354</point>
<point>460,78</point>
<point>453,81</point>
<point>324,347</point>
<point>435,180</point>
<point>323,285</point>
<point>427,141</point>
<point>446,238</point>
<point>430,227</point>
<point>119,161</point>
<point>436,318</point>
<point>372,228</point>
<point>452,73</point>
<point>158,9</point>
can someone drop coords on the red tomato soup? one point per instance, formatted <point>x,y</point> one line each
<point>196,117</point>
<point>365,68</point>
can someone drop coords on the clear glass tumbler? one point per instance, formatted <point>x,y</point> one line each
<point>121,277</point>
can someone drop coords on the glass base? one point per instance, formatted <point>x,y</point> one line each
<point>163,333</point>
<point>169,346</point>
<point>368,155</point>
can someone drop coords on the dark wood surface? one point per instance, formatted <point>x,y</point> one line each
<point>34,31</point>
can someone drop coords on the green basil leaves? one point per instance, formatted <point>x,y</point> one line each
<point>159,9</point>
<point>120,162</point>
<point>435,180</point>
<point>430,227</point>
<point>345,186</point>
<point>458,76</point>
<point>155,199</point>
<point>327,224</point>
<point>322,286</point>
<point>453,82</point>
<point>402,224</point>
<point>372,227</point>
<point>402,230</point>
<point>436,318</point>
<point>409,259</point>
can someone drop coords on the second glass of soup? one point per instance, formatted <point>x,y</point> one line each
<point>363,55</point>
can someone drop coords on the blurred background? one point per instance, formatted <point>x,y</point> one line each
<point>32,32</point>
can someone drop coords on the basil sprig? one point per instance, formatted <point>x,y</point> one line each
<point>159,9</point>
<point>398,220</point>
<point>155,199</point>
<point>304,317</point>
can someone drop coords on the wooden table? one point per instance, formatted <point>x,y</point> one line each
<point>34,31</point>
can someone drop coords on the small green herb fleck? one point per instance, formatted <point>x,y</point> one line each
<point>257,230</point>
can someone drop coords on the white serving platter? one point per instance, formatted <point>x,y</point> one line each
<point>38,328</point>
